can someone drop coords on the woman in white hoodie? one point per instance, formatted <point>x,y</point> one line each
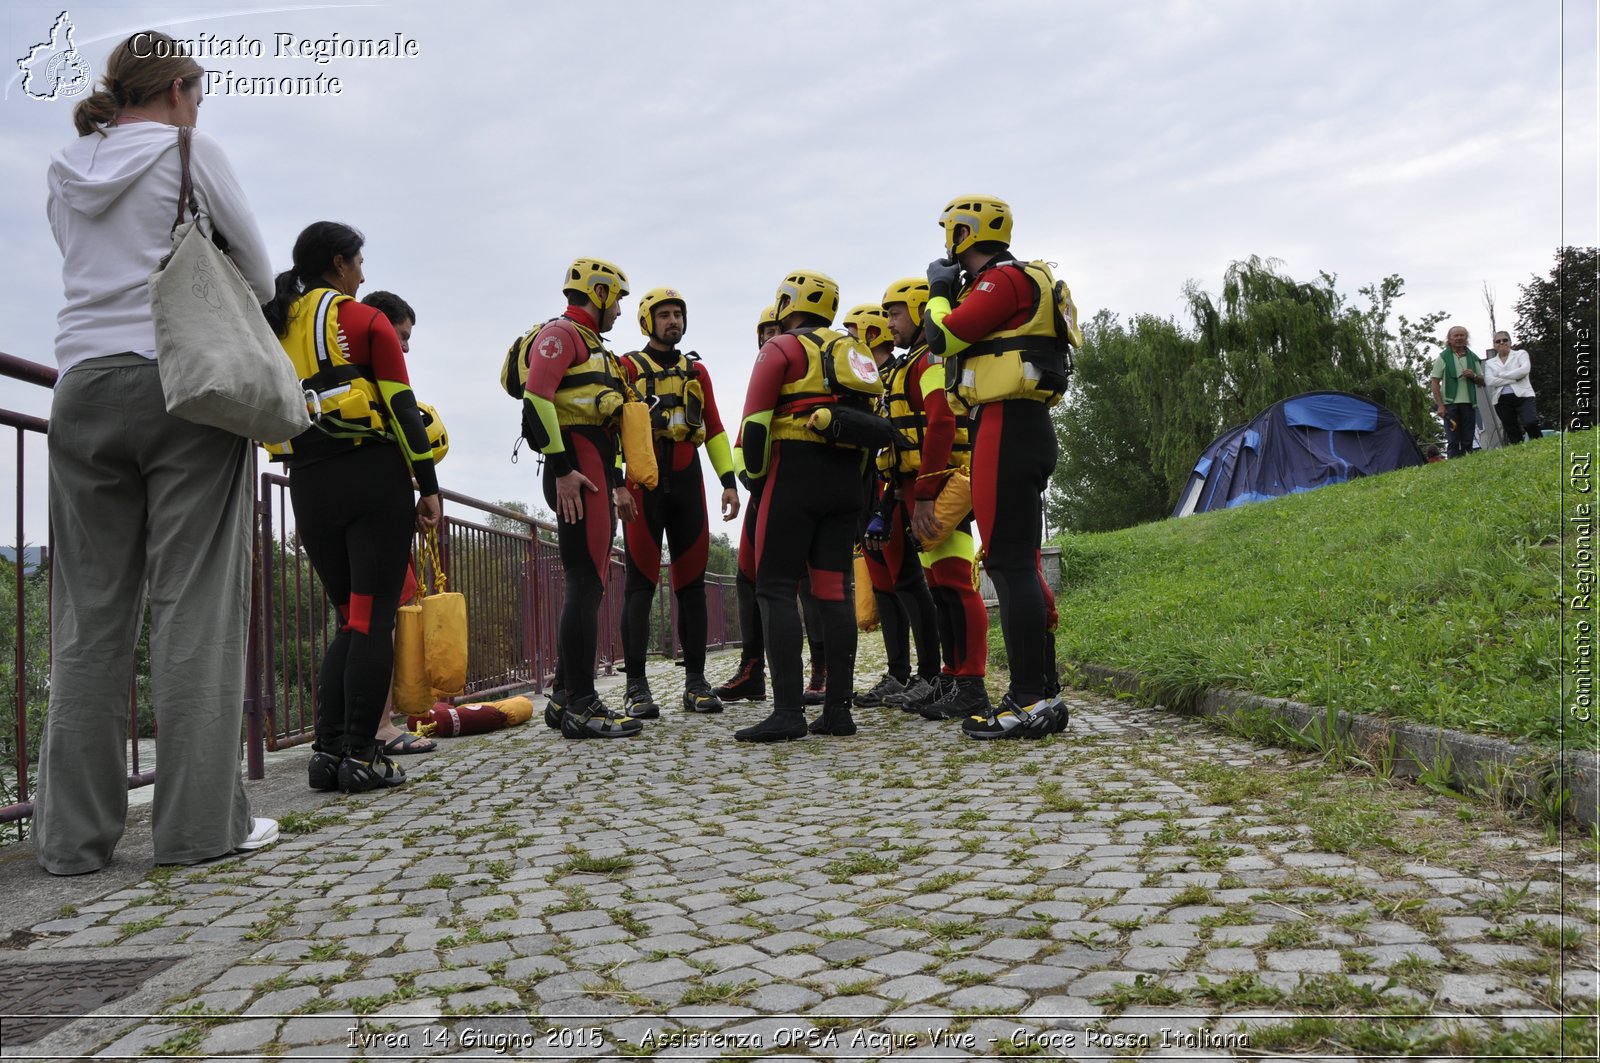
<point>141,500</point>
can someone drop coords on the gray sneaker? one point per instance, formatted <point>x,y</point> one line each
<point>879,691</point>
<point>920,694</point>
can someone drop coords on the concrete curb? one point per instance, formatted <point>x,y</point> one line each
<point>1476,762</point>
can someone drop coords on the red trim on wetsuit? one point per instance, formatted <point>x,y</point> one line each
<point>596,506</point>
<point>826,585</point>
<point>938,440</point>
<point>692,564</point>
<point>887,565</point>
<point>985,468</point>
<point>359,613</point>
<point>642,543</point>
<point>747,536</point>
<point>953,575</point>
<point>761,525</point>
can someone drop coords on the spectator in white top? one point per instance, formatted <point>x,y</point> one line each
<point>1506,372</point>
<point>143,506</point>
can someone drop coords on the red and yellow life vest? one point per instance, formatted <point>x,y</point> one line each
<point>1031,361</point>
<point>590,392</point>
<point>910,423</point>
<point>348,405</point>
<point>838,370</point>
<point>676,399</point>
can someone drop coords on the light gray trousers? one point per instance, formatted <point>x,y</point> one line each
<point>142,499</point>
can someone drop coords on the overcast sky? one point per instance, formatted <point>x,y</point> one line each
<point>714,146</point>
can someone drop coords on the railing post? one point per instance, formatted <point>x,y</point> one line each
<point>255,736</point>
<point>267,699</point>
<point>21,660</point>
<point>530,608</point>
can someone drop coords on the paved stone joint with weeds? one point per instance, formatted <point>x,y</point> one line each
<point>1140,883</point>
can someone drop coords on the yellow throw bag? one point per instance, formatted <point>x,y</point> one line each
<point>444,642</point>
<point>515,710</point>
<point>951,507</point>
<point>412,695</point>
<point>866,601</point>
<point>444,631</point>
<point>639,445</point>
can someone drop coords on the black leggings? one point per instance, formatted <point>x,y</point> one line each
<point>1013,455</point>
<point>676,506</point>
<point>355,514</point>
<point>753,645</point>
<point>585,557</point>
<point>808,527</point>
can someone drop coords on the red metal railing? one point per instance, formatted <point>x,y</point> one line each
<point>504,562</point>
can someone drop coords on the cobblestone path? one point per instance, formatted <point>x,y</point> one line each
<point>1141,885</point>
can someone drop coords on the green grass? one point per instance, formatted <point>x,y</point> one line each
<point>1428,594</point>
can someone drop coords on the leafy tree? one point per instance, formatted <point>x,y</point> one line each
<point>1105,478</point>
<point>510,526</point>
<point>1557,326</point>
<point>722,555</point>
<point>35,637</point>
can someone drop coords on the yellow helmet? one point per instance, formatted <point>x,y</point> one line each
<point>769,316</point>
<point>438,437</point>
<point>869,315</point>
<point>985,217</point>
<point>807,290</point>
<point>654,298</point>
<point>913,291</point>
<point>586,273</point>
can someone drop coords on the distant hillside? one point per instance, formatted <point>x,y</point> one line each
<point>1430,593</point>
<point>30,556</point>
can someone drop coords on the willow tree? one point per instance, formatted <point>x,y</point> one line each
<point>1557,319</point>
<point>1105,477</point>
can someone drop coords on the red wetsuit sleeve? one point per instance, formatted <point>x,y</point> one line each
<point>714,426</point>
<point>1002,299</point>
<point>720,453</point>
<point>938,438</point>
<point>556,348</point>
<point>370,340</point>
<point>780,361</point>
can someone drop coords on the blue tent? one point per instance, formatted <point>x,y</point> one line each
<point>1298,444</point>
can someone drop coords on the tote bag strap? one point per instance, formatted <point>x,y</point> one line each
<point>186,194</point>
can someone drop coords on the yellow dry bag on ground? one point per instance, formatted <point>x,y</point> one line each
<point>866,601</point>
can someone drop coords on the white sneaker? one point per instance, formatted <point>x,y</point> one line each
<point>263,832</point>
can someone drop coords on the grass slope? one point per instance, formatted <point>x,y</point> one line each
<point>1430,594</point>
